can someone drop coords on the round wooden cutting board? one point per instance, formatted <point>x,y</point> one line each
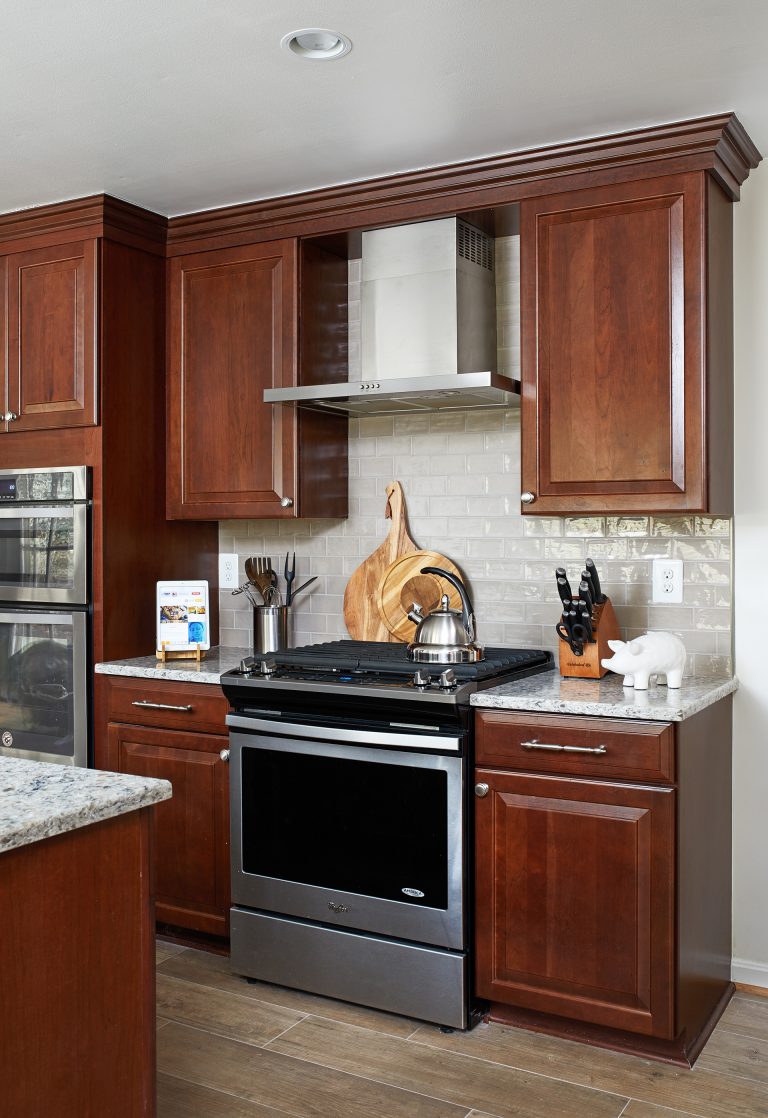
<point>402,584</point>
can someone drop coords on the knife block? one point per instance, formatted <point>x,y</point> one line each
<point>605,628</point>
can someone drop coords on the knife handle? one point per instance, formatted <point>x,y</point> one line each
<point>599,597</point>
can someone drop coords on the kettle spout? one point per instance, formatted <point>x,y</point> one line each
<point>415,615</point>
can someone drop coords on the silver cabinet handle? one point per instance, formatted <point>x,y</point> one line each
<point>145,703</point>
<point>527,498</point>
<point>564,748</point>
<point>9,416</point>
<point>482,790</point>
<point>286,502</point>
<point>224,755</point>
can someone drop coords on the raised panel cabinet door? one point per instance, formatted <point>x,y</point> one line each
<point>192,828</point>
<point>52,360</point>
<point>613,309</point>
<point>575,899</point>
<point>233,329</point>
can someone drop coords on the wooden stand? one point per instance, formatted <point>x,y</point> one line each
<point>605,628</point>
<point>195,653</point>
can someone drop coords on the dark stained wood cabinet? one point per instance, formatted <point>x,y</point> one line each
<point>587,863</point>
<point>626,325</point>
<point>233,332</point>
<point>176,732</point>
<point>52,358</point>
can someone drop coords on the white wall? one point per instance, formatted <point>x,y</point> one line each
<point>750,799</point>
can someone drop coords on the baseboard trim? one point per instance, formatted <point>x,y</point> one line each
<point>745,972</point>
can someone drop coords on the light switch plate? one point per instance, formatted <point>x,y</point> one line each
<point>668,581</point>
<point>228,571</point>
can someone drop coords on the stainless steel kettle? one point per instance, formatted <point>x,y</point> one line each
<point>445,636</point>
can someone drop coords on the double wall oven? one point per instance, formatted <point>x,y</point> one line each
<point>44,614</point>
<point>350,822</point>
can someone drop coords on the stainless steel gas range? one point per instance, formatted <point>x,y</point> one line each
<point>350,822</point>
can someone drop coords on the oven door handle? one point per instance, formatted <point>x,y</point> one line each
<point>338,733</point>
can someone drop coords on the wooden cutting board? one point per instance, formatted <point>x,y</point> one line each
<point>361,613</point>
<point>402,584</point>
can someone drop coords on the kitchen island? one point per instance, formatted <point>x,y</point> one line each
<point>77,1028</point>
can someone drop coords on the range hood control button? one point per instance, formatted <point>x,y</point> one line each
<point>422,678</point>
<point>447,679</point>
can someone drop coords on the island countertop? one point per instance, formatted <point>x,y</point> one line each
<point>39,800</point>
<point>549,693</point>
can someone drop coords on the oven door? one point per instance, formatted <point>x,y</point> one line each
<point>346,833</point>
<point>43,686</point>
<point>43,553</point>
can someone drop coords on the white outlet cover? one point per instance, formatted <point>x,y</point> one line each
<point>668,581</point>
<point>228,571</point>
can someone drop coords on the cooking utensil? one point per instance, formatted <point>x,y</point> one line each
<point>303,586</point>
<point>245,589</point>
<point>259,572</point>
<point>599,596</point>
<point>361,613</point>
<point>564,590</point>
<point>587,577</point>
<point>403,586</point>
<point>445,636</point>
<point>290,575</point>
<point>585,597</point>
<point>570,630</point>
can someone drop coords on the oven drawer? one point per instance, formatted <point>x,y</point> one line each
<point>577,746</point>
<point>174,706</point>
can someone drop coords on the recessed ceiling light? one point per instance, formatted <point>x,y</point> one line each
<point>316,42</point>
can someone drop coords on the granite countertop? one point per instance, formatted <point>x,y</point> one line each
<point>217,661</point>
<point>549,693</point>
<point>38,799</point>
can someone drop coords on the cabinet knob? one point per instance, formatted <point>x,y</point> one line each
<point>9,416</point>
<point>527,498</point>
<point>482,790</point>
<point>286,502</point>
<point>224,755</point>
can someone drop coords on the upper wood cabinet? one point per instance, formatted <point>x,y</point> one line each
<point>51,334</point>
<point>234,330</point>
<point>626,348</point>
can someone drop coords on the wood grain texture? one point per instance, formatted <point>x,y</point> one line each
<point>214,971</point>
<point>451,1076</point>
<point>207,706</point>
<point>716,143</point>
<point>361,615</point>
<point>719,343</point>
<point>300,1087</point>
<point>575,899</point>
<point>179,1099</point>
<point>76,974</point>
<point>223,1013</point>
<point>613,367</point>
<point>192,847</point>
<point>402,585</point>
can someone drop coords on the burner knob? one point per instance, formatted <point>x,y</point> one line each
<point>447,679</point>
<point>422,678</point>
<point>247,665</point>
<point>267,667</point>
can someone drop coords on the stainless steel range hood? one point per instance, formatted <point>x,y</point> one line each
<point>428,327</point>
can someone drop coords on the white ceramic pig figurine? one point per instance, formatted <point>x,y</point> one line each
<point>652,654</point>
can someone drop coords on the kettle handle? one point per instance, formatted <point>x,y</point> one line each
<point>467,613</point>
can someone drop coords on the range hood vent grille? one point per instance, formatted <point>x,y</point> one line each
<point>474,245</point>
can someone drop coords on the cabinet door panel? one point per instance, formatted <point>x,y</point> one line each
<point>575,898</point>
<point>51,337</point>
<point>232,334</point>
<point>614,293</point>
<point>192,828</point>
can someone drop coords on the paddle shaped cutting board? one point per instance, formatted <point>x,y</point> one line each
<point>361,612</point>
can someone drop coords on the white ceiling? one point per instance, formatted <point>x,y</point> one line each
<point>181,105</point>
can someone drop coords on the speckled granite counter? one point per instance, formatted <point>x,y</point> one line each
<point>548,693</point>
<point>209,670</point>
<point>38,800</point>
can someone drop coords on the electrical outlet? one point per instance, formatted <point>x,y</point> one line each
<point>228,572</point>
<point>668,581</point>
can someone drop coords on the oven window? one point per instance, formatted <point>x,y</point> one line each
<point>37,550</point>
<point>358,826</point>
<point>37,693</point>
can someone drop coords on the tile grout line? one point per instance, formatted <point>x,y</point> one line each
<point>230,1094</point>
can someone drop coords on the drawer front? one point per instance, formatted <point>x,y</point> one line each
<point>577,746</point>
<point>198,707</point>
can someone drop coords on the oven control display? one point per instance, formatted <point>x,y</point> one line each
<point>8,489</point>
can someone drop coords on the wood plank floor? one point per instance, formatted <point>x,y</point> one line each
<point>229,1049</point>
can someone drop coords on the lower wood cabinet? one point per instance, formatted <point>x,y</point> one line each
<point>172,736</point>
<point>603,875</point>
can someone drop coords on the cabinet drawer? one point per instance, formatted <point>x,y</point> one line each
<point>196,707</point>
<point>576,746</point>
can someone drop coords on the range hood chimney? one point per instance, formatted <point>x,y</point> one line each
<point>428,327</point>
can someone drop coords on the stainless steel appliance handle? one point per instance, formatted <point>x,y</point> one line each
<point>25,510</point>
<point>564,748</point>
<point>161,706</point>
<point>338,733</point>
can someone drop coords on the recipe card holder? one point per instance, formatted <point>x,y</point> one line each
<point>197,653</point>
<point>605,628</point>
